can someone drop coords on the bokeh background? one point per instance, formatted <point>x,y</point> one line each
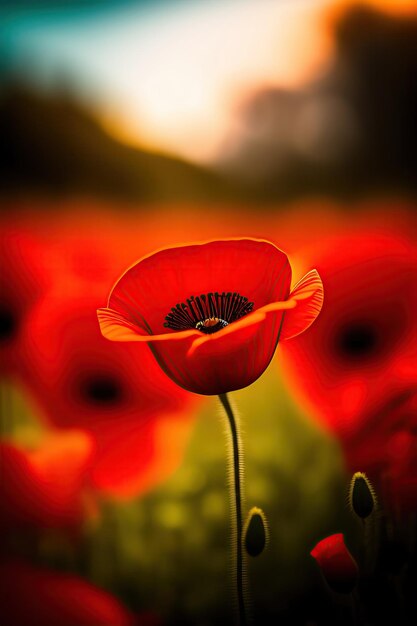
<point>130,126</point>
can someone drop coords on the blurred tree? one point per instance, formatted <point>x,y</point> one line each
<point>352,131</point>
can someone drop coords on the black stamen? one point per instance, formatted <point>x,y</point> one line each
<point>208,312</point>
<point>200,307</point>
<point>223,309</point>
<point>226,304</point>
<point>211,305</point>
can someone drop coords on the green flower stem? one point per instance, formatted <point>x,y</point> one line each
<point>236,489</point>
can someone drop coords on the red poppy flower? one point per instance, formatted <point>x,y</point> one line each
<point>356,368</point>
<point>338,566</point>
<point>40,597</point>
<point>212,313</point>
<point>23,278</point>
<point>138,419</point>
<point>43,488</point>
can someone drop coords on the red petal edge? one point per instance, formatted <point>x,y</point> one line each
<point>116,327</point>
<point>308,296</point>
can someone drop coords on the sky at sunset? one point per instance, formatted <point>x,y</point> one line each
<point>171,74</point>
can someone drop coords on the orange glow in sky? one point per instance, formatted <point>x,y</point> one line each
<point>202,60</point>
<point>205,59</point>
<point>393,7</point>
<point>172,75</point>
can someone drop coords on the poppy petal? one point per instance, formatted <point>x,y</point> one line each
<point>254,268</point>
<point>338,566</point>
<point>308,294</point>
<point>249,320</point>
<point>199,352</point>
<point>116,327</point>
<point>305,301</point>
<point>220,366</point>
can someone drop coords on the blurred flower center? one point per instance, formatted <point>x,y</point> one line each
<point>357,339</point>
<point>8,324</point>
<point>102,390</point>
<point>208,313</point>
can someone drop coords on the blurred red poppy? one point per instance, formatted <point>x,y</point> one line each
<point>41,597</point>
<point>44,488</point>
<point>138,419</point>
<point>212,313</point>
<point>337,565</point>
<point>23,278</point>
<point>356,368</point>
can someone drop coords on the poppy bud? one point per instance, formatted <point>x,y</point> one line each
<point>337,565</point>
<point>362,498</point>
<point>255,532</point>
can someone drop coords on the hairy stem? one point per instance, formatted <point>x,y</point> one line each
<point>236,488</point>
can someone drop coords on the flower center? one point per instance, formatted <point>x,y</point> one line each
<point>102,390</point>
<point>209,312</point>
<point>211,325</point>
<point>8,324</point>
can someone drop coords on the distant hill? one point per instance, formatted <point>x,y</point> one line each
<point>51,144</point>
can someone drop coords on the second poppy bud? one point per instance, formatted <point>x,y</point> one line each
<point>337,565</point>
<point>255,533</point>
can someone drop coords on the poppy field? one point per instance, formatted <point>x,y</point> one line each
<point>208,299</point>
<point>116,501</point>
